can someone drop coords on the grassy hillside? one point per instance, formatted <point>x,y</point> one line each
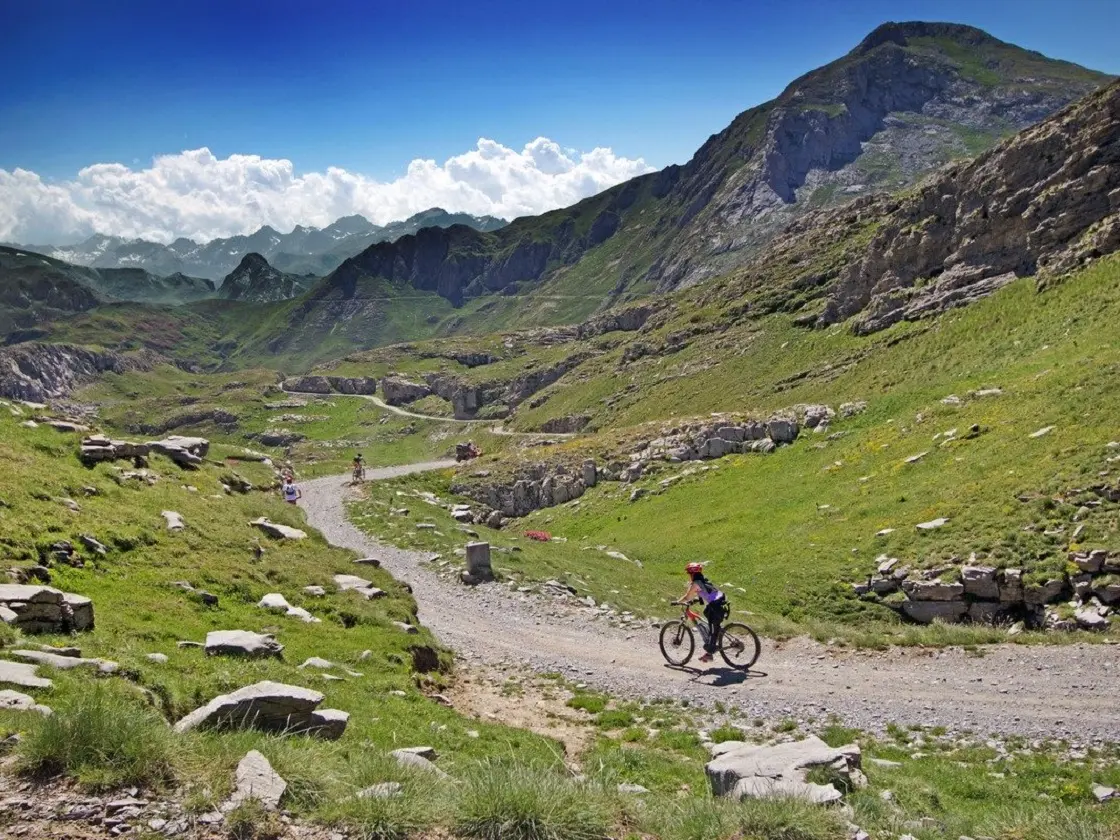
<point>110,731</point>
<point>790,531</point>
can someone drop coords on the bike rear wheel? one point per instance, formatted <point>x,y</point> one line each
<point>739,645</point>
<point>677,642</point>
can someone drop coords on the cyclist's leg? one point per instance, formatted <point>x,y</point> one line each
<point>714,614</point>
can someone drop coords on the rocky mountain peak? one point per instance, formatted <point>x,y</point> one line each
<point>254,280</point>
<point>252,262</point>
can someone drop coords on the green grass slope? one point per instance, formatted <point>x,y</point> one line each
<point>792,530</point>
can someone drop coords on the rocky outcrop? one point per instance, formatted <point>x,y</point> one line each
<point>43,372</point>
<point>314,384</point>
<point>984,594</point>
<point>271,707</point>
<point>96,449</point>
<point>187,452</point>
<point>543,485</point>
<point>566,425</point>
<point>1013,212</point>
<point>400,391</point>
<point>43,609</point>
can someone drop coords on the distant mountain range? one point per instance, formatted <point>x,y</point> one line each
<point>305,250</point>
<point>35,288</point>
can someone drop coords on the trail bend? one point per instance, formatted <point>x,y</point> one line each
<point>1038,691</point>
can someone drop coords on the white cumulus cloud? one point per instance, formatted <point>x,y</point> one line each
<point>198,195</point>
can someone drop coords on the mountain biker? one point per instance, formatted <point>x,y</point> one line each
<point>715,605</point>
<point>291,493</point>
<point>358,466</point>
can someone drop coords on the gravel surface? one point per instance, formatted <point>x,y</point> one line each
<point>1061,691</point>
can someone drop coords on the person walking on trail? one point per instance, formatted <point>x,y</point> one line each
<point>290,491</point>
<point>715,605</point>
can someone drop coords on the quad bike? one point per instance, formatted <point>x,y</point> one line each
<point>466,451</point>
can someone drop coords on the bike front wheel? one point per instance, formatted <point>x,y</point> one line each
<point>677,643</point>
<point>739,646</point>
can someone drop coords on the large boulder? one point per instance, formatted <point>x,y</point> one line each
<point>242,643</point>
<point>43,609</point>
<point>270,707</point>
<point>747,771</point>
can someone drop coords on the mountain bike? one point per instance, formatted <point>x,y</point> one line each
<point>359,474</point>
<point>737,643</point>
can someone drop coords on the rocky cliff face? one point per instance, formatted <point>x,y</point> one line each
<point>42,372</point>
<point>911,97</point>
<point>1046,200</point>
<point>255,281</point>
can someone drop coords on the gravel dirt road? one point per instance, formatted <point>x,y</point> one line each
<point>1037,691</point>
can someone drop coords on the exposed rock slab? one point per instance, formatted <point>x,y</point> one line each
<point>65,663</point>
<point>277,531</point>
<point>271,707</point>
<point>22,674</point>
<point>747,771</point>
<point>242,643</point>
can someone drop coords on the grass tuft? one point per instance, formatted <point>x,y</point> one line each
<point>504,802</point>
<point>102,737</point>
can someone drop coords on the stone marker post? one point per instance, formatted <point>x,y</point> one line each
<point>478,563</point>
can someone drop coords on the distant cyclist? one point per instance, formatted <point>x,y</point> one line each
<point>716,607</point>
<point>290,491</point>
<point>358,467</point>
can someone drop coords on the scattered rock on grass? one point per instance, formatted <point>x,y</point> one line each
<point>383,790</point>
<point>22,674</point>
<point>65,663</point>
<point>174,520</point>
<point>242,643</point>
<point>413,761</point>
<point>348,583</point>
<point>279,532</point>
<point>14,700</point>
<point>256,780</point>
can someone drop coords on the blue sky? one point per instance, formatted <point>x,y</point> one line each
<point>368,86</point>
<point>162,118</point>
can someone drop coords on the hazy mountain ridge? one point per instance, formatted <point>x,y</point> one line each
<point>305,250</point>
<point>35,288</point>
